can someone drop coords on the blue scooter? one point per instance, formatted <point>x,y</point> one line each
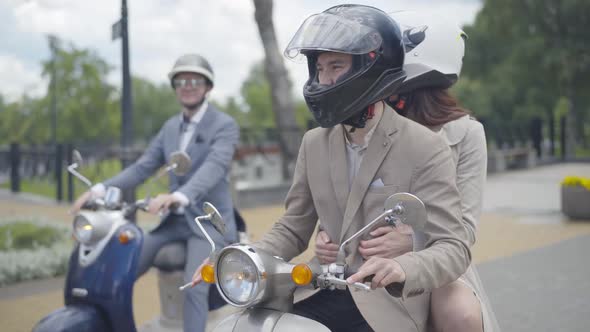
<point>98,290</point>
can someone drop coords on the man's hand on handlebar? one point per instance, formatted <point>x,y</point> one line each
<point>163,202</point>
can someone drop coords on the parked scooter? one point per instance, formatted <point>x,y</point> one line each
<point>264,285</point>
<point>98,290</point>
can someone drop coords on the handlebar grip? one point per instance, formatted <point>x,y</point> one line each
<point>142,204</point>
<point>395,289</point>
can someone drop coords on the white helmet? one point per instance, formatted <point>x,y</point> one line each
<point>434,50</point>
<point>192,63</point>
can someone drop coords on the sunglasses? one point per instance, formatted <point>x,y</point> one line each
<point>191,83</point>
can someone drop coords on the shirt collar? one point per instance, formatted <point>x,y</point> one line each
<point>198,116</point>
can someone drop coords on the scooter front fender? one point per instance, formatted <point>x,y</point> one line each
<point>73,318</point>
<point>266,320</point>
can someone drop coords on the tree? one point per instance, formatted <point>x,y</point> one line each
<point>86,105</point>
<point>153,105</point>
<point>280,87</point>
<point>526,66</point>
<point>256,116</point>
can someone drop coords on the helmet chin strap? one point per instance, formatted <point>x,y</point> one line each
<point>360,120</point>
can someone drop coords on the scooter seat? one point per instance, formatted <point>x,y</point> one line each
<point>171,257</point>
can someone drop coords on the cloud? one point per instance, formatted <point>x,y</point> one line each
<point>21,79</point>
<point>224,31</point>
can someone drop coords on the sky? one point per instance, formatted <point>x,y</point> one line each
<point>224,31</point>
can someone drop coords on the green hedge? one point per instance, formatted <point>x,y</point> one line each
<point>27,235</point>
<point>32,249</point>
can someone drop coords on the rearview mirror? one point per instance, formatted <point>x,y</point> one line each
<point>77,158</point>
<point>180,163</point>
<point>77,162</point>
<point>408,209</point>
<point>215,217</point>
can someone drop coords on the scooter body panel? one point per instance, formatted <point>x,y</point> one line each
<point>107,283</point>
<point>266,320</point>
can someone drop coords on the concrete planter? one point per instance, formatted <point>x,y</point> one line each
<point>575,202</point>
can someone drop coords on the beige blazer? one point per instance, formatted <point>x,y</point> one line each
<point>406,157</point>
<point>466,138</point>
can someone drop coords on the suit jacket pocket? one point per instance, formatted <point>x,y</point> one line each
<point>386,189</point>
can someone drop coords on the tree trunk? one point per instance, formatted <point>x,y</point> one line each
<point>570,127</point>
<point>283,105</point>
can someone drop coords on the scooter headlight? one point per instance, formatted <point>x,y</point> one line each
<point>240,279</point>
<point>82,229</point>
<point>90,228</point>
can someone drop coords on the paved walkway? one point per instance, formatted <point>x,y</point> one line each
<point>531,258</point>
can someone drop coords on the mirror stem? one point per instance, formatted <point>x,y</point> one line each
<point>198,220</point>
<point>341,255</point>
<point>159,175</point>
<point>72,169</point>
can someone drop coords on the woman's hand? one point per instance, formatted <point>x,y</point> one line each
<point>325,250</point>
<point>388,242</point>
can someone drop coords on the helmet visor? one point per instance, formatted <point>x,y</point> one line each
<point>331,33</point>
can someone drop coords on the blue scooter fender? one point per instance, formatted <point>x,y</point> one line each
<point>74,318</point>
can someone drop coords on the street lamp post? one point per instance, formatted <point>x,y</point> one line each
<point>119,30</point>
<point>127,116</point>
<point>53,46</point>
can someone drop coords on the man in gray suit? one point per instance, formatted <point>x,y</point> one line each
<point>209,137</point>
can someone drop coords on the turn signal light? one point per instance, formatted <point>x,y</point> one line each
<point>208,274</point>
<point>125,237</point>
<point>301,275</point>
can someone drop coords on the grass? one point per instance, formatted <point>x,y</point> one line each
<point>582,153</point>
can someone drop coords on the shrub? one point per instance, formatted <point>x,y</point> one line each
<point>32,250</point>
<point>27,235</point>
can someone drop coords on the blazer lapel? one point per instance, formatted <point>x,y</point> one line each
<point>339,166</point>
<point>201,129</point>
<point>175,136</point>
<point>378,148</point>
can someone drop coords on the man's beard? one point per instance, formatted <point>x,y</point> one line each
<point>193,106</point>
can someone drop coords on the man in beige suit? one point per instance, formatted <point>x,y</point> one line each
<point>364,153</point>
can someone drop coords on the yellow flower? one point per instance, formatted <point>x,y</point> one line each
<point>571,181</point>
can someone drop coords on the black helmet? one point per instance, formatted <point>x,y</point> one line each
<point>373,39</point>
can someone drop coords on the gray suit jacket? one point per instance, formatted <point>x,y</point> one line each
<point>211,150</point>
<point>407,157</point>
